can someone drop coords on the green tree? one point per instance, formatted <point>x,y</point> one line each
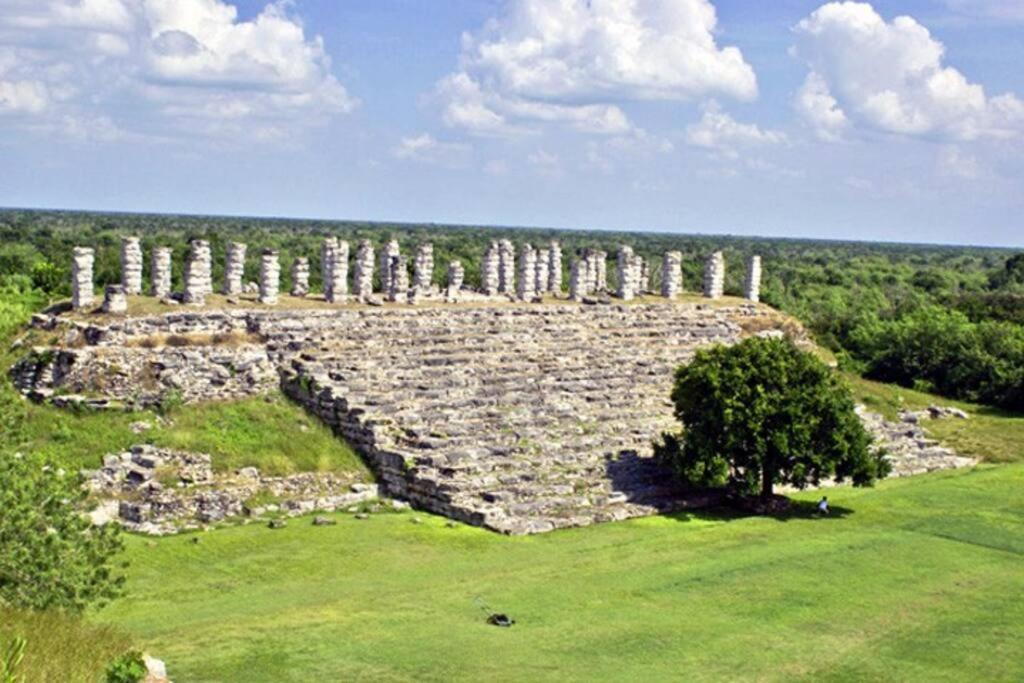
<point>51,556</point>
<point>761,413</point>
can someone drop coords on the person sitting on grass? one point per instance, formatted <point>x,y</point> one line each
<point>823,505</point>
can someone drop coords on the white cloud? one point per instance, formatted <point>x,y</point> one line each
<point>161,65</point>
<point>425,148</point>
<point>718,130</point>
<point>954,162</point>
<point>890,76</point>
<point>571,61</point>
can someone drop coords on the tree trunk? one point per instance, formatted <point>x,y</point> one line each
<point>766,481</point>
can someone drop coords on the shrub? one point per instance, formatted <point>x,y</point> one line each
<point>128,668</point>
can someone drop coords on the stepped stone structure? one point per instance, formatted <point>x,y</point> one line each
<point>752,285</point>
<point>160,272</point>
<point>362,284</point>
<point>234,268</point>
<point>672,274</point>
<point>270,276</point>
<point>554,267</point>
<point>490,271</point>
<point>527,273</point>
<point>456,277</point>
<point>300,276</point>
<point>114,300</point>
<point>714,275</point>
<point>627,273</point>
<point>198,281</point>
<point>390,251</point>
<point>82,295</point>
<point>398,279</point>
<point>541,281</point>
<point>506,268</point>
<point>423,268</point>
<point>131,265</point>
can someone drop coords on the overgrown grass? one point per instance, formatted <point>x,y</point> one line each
<point>993,434</point>
<point>913,580</point>
<point>60,647</point>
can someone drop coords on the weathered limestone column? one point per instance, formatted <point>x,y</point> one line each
<point>300,276</point>
<point>554,267</point>
<point>234,268</point>
<point>160,272</point>
<point>752,285</point>
<point>645,276</point>
<point>362,284</point>
<point>506,267</point>
<point>423,267</point>
<point>339,271</point>
<point>391,250</point>
<point>398,279</point>
<point>672,274</point>
<point>197,273</point>
<point>82,259</point>
<point>328,248</point>
<point>527,273</point>
<point>625,271</point>
<point>577,275</point>
<point>456,276</point>
<point>490,274</point>
<point>270,276</point>
<point>131,265</point>
<point>114,300</point>
<point>602,271</point>
<point>540,285</point>
<point>590,275</point>
<point>714,275</point>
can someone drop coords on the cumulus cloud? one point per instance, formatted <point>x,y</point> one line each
<point>162,65</point>
<point>890,76</point>
<point>425,148</point>
<point>571,61</point>
<point>718,130</point>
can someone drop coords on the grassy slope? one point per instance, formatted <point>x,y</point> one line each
<point>914,582</point>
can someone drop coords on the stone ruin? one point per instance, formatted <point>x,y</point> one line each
<point>160,272</point>
<point>82,295</point>
<point>198,278</point>
<point>714,275</point>
<point>234,268</point>
<point>131,265</point>
<point>300,277</point>
<point>270,276</point>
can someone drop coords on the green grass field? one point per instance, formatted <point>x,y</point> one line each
<point>917,579</point>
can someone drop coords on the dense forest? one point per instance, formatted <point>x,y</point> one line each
<point>938,318</point>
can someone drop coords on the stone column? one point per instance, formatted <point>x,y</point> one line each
<point>300,276</point>
<point>423,267</point>
<point>456,276</point>
<point>391,250</point>
<point>270,276</point>
<point>114,300</point>
<point>362,284</point>
<point>645,276</point>
<point>490,271</point>
<point>540,285</point>
<point>328,248</point>
<point>555,267</point>
<point>339,271</point>
<point>577,275</point>
<point>160,272</point>
<point>234,268</point>
<point>589,276</point>
<point>131,265</point>
<point>527,273</point>
<point>625,272</point>
<point>81,277</point>
<point>197,273</point>
<point>672,274</point>
<point>752,285</point>
<point>714,275</point>
<point>602,271</point>
<point>506,267</point>
<point>398,279</point>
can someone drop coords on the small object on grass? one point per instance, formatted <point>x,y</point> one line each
<point>502,620</point>
<point>416,520</point>
<point>362,515</point>
<point>276,524</point>
<point>195,540</point>
<point>320,520</point>
<point>450,524</point>
<point>823,505</point>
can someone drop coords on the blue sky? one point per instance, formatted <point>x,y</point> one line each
<point>891,120</point>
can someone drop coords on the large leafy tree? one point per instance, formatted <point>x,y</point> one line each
<point>51,556</point>
<point>763,412</point>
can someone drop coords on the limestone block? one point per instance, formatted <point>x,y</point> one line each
<point>752,284</point>
<point>300,276</point>
<point>82,259</point>
<point>160,272</point>
<point>114,300</point>
<point>131,265</point>
<point>270,276</point>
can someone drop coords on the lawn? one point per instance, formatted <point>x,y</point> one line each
<point>917,579</point>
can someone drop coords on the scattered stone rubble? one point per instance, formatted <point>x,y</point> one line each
<point>906,445</point>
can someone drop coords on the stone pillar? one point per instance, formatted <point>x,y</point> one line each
<point>131,265</point>
<point>339,271</point>
<point>555,267</point>
<point>456,276</point>
<point>671,274</point>
<point>362,284</point>
<point>577,277</point>
<point>81,277</point>
<point>506,267</point>
<point>527,273</point>
<point>197,273</point>
<point>625,272</point>
<point>752,285</point>
<point>270,276</point>
<point>398,279</point>
<point>114,300</point>
<point>160,272</point>
<point>328,249</point>
<point>391,250</point>
<point>540,285</point>
<point>234,268</point>
<point>423,267</point>
<point>300,276</point>
<point>645,276</point>
<point>714,275</point>
<point>589,279</point>
<point>602,271</point>
<point>490,271</point>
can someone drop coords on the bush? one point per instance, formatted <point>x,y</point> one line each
<point>128,668</point>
